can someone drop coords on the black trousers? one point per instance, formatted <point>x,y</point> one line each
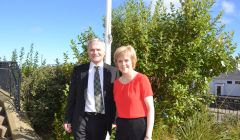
<point>92,127</point>
<point>131,129</point>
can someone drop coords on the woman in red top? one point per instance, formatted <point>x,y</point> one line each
<point>134,98</point>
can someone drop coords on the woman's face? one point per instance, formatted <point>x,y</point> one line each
<point>124,63</point>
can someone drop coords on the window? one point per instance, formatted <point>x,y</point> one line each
<point>237,82</point>
<point>229,82</point>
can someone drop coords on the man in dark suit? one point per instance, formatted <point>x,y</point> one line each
<point>88,115</point>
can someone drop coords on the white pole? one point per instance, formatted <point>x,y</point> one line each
<point>108,36</point>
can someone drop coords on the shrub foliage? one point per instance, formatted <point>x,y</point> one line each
<point>180,50</point>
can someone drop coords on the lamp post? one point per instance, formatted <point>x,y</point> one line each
<point>108,36</point>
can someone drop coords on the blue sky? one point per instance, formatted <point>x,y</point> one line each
<point>51,24</point>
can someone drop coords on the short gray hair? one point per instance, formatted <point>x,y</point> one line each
<point>95,40</point>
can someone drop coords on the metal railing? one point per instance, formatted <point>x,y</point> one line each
<point>10,80</point>
<point>227,102</point>
<point>226,106</point>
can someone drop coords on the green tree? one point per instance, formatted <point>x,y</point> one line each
<point>82,40</point>
<point>31,61</point>
<point>21,56</point>
<point>180,51</point>
<point>4,58</point>
<point>14,56</point>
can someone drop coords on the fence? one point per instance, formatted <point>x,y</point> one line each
<point>10,80</point>
<point>226,106</point>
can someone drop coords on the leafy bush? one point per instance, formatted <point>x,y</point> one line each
<point>179,50</point>
<point>59,132</point>
<point>44,98</point>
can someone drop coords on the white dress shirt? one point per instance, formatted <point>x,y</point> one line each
<point>90,102</point>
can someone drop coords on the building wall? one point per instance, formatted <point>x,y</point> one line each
<point>228,89</point>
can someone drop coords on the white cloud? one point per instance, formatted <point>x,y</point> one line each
<point>228,7</point>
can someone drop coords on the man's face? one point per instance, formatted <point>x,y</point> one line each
<point>96,52</point>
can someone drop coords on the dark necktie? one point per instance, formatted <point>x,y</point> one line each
<point>98,92</point>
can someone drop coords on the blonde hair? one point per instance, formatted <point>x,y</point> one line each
<point>126,50</point>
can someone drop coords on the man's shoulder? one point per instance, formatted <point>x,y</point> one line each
<point>107,66</point>
<point>82,66</point>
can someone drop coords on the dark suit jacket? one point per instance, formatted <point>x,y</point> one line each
<point>78,88</point>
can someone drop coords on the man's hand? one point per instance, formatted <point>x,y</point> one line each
<point>114,126</point>
<point>68,127</point>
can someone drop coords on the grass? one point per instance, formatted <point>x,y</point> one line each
<point>201,126</point>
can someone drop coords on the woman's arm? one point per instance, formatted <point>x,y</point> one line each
<point>150,117</point>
